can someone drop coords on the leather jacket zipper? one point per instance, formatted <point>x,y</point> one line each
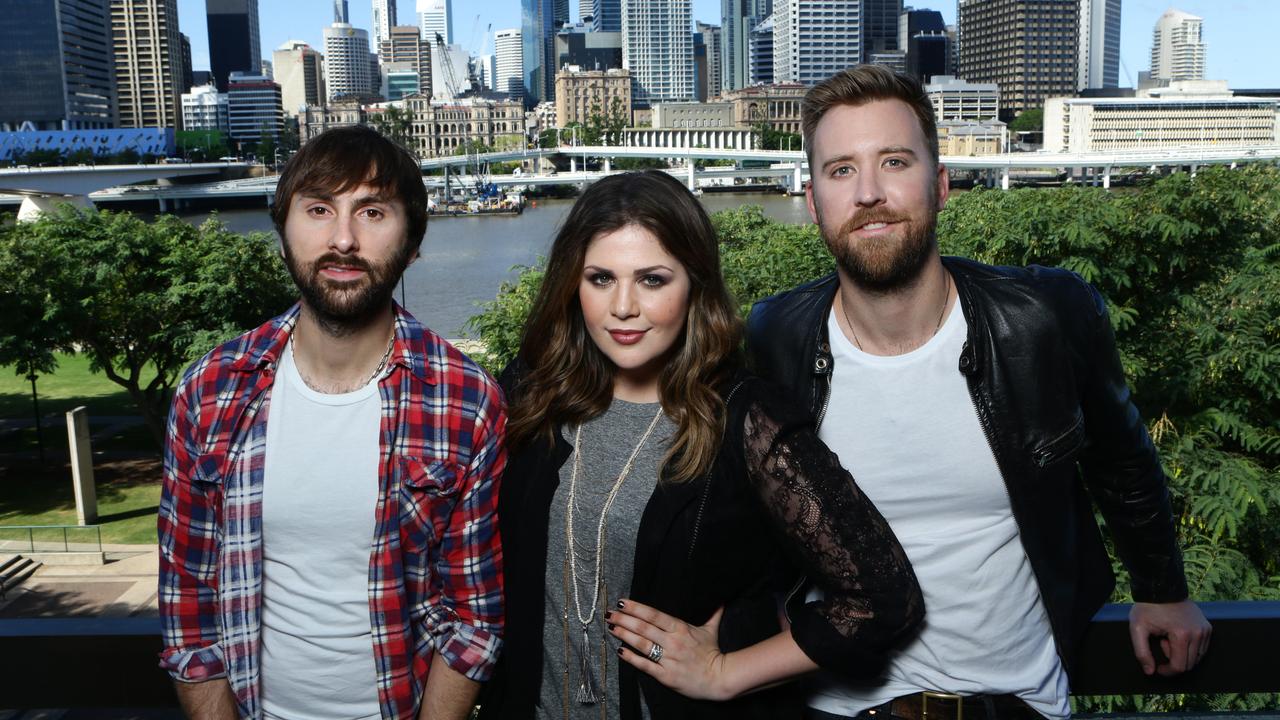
<point>706,490</point>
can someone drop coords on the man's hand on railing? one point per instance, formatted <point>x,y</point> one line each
<point>1181,629</point>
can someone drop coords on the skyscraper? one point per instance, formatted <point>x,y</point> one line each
<point>1177,50</point>
<point>715,62</point>
<point>56,68</point>
<point>560,12</point>
<point>1029,48</point>
<point>404,44</point>
<point>299,70</point>
<point>384,18</point>
<point>1099,44</point>
<point>509,77</point>
<point>760,46</point>
<point>586,9</point>
<point>436,16</point>
<point>146,45</point>
<point>346,61</point>
<point>537,41</point>
<point>880,27</point>
<point>606,15</point>
<point>657,47</point>
<point>341,11</point>
<point>737,19</point>
<point>923,34</point>
<point>233,38</point>
<point>815,39</point>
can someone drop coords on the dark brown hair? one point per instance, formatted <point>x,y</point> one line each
<point>860,85</point>
<point>568,379</point>
<point>344,158</point>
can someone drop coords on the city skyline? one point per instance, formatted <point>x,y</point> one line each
<point>1235,32</point>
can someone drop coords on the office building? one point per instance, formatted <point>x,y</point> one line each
<point>715,61</point>
<point>956,99</point>
<point>509,74</point>
<point>1197,114</point>
<point>657,47</point>
<point>737,19</point>
<point>341,11</point>
<point>346,61</point>
<point>693,115</point>
<point>1177,50</point>
<point>384,18</point>
<point>606,15</point>
<point>815,39</point>
<point>204,108</point>
<point>436,16</point>
<point>923,35</point>
<point>399,80</point>
<point>585,10</point>
<point>186,73</point>
<point>581,93</point>
<point>1099,53</point>
<point>299,71</point>
<point>577,45</point>
<point>254,109</point>
<point>760,44</point>
<point>147,47</point>
<point>699,68</point>
<point>1030,49</point>
<point>56,66</point>
<point>537,43</point>
<point>405,44</point>
<point>233,38</point>
<point>880,29</point>
<point>967,138</point>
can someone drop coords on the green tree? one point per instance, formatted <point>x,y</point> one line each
<point>131,294</point>
<point>201,145</point>
<point>1030,120</point>
<point>395,123</point>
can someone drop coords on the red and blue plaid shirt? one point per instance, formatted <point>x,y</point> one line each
<point>435,567</point>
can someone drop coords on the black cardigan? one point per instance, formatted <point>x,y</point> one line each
<point>734,538</point>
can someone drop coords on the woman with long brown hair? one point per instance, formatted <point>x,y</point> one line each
<point>659,501</point>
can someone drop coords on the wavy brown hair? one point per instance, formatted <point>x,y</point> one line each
<point>565,378</point>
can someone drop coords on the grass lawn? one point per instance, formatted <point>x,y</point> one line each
<point>128,496</point>
<point>70,386</point>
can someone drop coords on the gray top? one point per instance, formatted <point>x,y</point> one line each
<point>607,442</point>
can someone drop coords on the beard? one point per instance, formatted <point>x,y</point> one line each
<point>884,264</point>
<point>342,307</point>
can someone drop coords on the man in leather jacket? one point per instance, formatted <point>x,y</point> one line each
<point>982,409</point>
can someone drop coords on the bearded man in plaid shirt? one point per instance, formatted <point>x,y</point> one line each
<point>328,532</point>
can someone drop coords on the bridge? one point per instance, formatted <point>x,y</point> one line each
<point>41,188</point>
<point>38,189</point>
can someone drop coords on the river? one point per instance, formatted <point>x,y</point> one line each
<point>465,259</point>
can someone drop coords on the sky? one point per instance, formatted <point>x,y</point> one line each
<point>1236,32</point>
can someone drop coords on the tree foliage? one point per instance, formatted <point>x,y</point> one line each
<point>1190,268</point>
<point>131,294</point>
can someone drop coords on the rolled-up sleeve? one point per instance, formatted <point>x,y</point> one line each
<point>188,554</point>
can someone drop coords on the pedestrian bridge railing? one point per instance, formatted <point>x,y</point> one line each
<point>50,538</point>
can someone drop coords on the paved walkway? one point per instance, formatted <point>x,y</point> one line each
<point>124,586</point>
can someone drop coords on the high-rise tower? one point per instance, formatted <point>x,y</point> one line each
<point>737,19</point>
<point>1177,50</point>
<point>346,61</point>
<point>56,66</point>
<point>147,47</point>
<point>657,47</point>
<point>384,18</point>
<point>233,39</point>
<point>1099,54</point>
<point>815,39</point>
<point>1030,48</point>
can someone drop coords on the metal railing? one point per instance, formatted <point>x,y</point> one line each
<point>8,545</point>
<point>38,658</point>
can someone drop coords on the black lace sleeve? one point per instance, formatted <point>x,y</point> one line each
<point>834,533</point>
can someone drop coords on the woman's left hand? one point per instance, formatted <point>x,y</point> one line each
<point>689,662</point>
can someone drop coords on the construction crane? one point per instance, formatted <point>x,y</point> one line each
<point>479,173</point>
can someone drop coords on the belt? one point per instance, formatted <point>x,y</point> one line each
<point>944,706</point>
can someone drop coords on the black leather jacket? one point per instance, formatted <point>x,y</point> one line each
<point>1045,378</point>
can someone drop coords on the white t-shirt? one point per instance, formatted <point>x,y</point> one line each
<point>320,491</point>
<point>905,426</point>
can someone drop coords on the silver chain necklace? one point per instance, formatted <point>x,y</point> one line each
<point>382,364</point>
<point>586,692</point>
<point>946,298</point>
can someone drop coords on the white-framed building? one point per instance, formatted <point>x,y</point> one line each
<point>955,99</point>
<point>383,19</point>
<point>1099,51</point>
<point>657,47</point>
<point>441,127</point>
<point>346,61</point>
<point>815,39</point>
<point>254,107</point>
<point>717,139</point>
<point>204,108</point>
<point>1177,48</point>
<point>1202,114</point>
<point>509,57</point>
<point>694,116</point>
<point>435,16</point>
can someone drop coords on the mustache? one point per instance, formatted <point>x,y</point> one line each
<point>333,259</point>
<point>867,217</point>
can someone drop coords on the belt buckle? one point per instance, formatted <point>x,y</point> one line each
<point>927,695</point>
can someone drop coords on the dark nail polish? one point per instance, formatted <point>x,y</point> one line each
<point>611,626</point>
<point>608,614</point>
<point>619,652</point>
<point>621,605</point>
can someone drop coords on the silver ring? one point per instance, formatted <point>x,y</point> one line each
<point>655,653</point>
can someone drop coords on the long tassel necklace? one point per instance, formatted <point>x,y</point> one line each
<point>587,694</point>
